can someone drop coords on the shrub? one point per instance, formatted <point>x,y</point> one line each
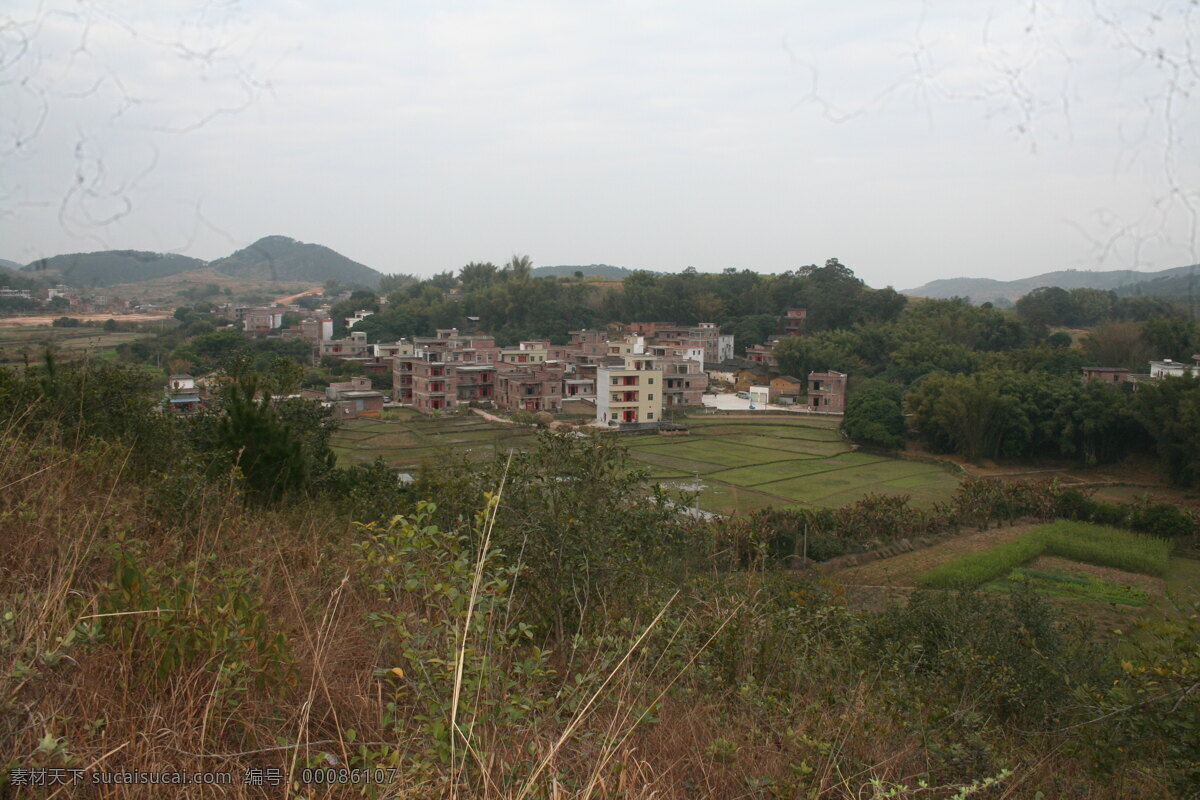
<point>522,416</point>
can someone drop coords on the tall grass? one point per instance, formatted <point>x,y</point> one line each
<point>1107,547</point>
<point>1078,541</point>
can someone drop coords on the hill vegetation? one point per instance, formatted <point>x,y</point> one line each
<point>111,266</point>
<point>278,258</point>
<point>1125,282</point>
<point>590,271</point>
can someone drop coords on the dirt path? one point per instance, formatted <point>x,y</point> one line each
<point>288,299</point>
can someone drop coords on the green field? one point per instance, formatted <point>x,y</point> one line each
<point>743,464</point>
<point>405,438</point>
<point>1076,541</point>
<point>735,465</point>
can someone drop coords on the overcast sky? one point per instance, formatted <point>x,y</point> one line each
<point>912,141</point>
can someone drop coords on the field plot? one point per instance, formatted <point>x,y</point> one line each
<point>744,463</point>
<point>738,464</point>
<point>1110,576</point>
<point>17,344</point>
<point>406,438</point>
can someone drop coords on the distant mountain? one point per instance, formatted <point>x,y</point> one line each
<point>111,266</point>
<point>278,258</point>
<point>1178,283</point>
<point>591,270</point>
<point>986,289</point>
<point>4,262</point>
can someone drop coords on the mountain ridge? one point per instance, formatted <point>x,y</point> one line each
<point>1123,281</point>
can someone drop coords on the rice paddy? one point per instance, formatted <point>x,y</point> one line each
<point>733,465</point>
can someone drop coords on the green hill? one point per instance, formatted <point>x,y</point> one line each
<point>107,267</point>
<point>279,258</point>
<point>591,270</point>
<point>4,262</point>
<point>1179,283</point>
<point>987,289</point>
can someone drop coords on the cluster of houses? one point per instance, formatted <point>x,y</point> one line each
<point>632,374</point>
<point>1166,368</point>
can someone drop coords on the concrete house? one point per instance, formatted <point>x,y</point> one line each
<point>629,392</point>
<point>827,391</point>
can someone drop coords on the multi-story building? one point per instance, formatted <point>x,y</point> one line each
<point>183,396</point>
<point>793,321</point>
<point>530,386</point>
<point>588,342</point>
<point>353,346</point>
<point>629,392</point>
<point>684,381</point>
<point>444,371</point>
<point>827,391</point>
<point>762,354</point>
<point>357,317</point>
<point>317,329</point>
<point>261,320</point>
<point>717,346</point>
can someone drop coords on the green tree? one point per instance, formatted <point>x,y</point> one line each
<point>1170,410</point>
<point>270,457</point>
<point>873,416</point>
<point>1048,305</point>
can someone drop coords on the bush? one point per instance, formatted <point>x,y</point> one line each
<point>522,417</point>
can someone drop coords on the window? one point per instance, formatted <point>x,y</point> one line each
<point>616,381</point>
<point>651,397</point>
<point>652,380</point>
<point>650,415</point>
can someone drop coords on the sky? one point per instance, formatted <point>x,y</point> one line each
<point>912,141</point>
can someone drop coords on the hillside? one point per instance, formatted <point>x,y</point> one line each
<point>1176,283</point>
<point>590,270</point>
<point>988,289</point>
<point>4,262</point>
<point>279,258</point>
<point>108,267</point>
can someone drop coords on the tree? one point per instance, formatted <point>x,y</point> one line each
<point>1170,410</point>
<point>269,448</point>
<point>519,269</point>
<point>1117,344</point>
<point>476,275</point>
<point>1048,305</point>
<point>873,416</point>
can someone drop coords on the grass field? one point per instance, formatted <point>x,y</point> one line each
<point>737,464</point>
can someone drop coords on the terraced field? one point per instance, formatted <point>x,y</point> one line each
<point>735,464</point>
<point>744,464</point>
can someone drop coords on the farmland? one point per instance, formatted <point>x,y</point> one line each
<point>407,438</point>
<point>734,464</point>
<point>17,344</point>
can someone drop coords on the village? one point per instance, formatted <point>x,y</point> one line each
<point>629,377</point>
